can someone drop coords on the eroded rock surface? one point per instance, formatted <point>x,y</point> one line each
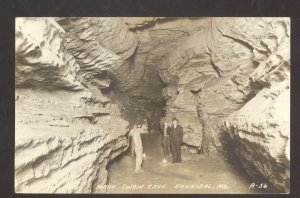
<point>261,135</point>
<point>261,128</point>
<point>218,76</point>
<point>41,57</point>
<point>66,130</point>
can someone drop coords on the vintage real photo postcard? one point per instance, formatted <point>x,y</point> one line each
<point>152,105</point>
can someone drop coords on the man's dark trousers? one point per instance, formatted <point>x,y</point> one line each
<point>176,135</point>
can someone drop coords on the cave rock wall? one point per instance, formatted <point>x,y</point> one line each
<point>225,79</point>
<point>66,130</point>
<point>231,78</point>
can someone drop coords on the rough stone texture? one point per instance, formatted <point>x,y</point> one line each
<point>93,58</point>
<point>261,133</point>
<point>140,22</point>
<point>193,67</point>
<point>220,68</point>
<point>216,69</point>
<point>212,73</point>
<point>41,57</point>
<point>261,128</point>
<point>64,145</point>
<point>112,38</point>
<point>182,105</point>
<point>66,130</point>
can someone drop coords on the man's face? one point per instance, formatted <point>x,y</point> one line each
<point>145,128</point>
<point>174,122</point>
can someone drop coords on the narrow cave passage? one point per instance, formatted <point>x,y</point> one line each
<point>196,174</point>
<point>82,83</point>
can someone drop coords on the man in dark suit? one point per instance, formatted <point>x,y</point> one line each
<point>176,138</point>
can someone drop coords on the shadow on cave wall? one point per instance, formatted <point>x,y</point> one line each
<point>136,110</point>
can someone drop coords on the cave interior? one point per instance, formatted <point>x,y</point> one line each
<point>90,79</point>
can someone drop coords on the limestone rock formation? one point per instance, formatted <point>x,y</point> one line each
<point>140,22</point>
<point>41,57</point>
<point>60,149</point>
<point>217,70</point>
<point>220,77</point>
<point>260,130</point>
<point>93,58</point>
<point>261,133</point>
<point>66,130</point>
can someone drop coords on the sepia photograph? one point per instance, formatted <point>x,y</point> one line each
<point>152,105</point>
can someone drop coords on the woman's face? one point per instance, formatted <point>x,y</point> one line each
<point>174,122</point>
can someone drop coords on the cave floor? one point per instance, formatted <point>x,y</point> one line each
<point>208,174</point>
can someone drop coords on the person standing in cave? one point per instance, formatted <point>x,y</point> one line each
<point>135,133</point>
<point>166,141</point>
<point>176,139</point>
<point>149,122</point>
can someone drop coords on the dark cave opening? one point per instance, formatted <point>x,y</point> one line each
<point>137,111</point>
<point>142,104</point>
